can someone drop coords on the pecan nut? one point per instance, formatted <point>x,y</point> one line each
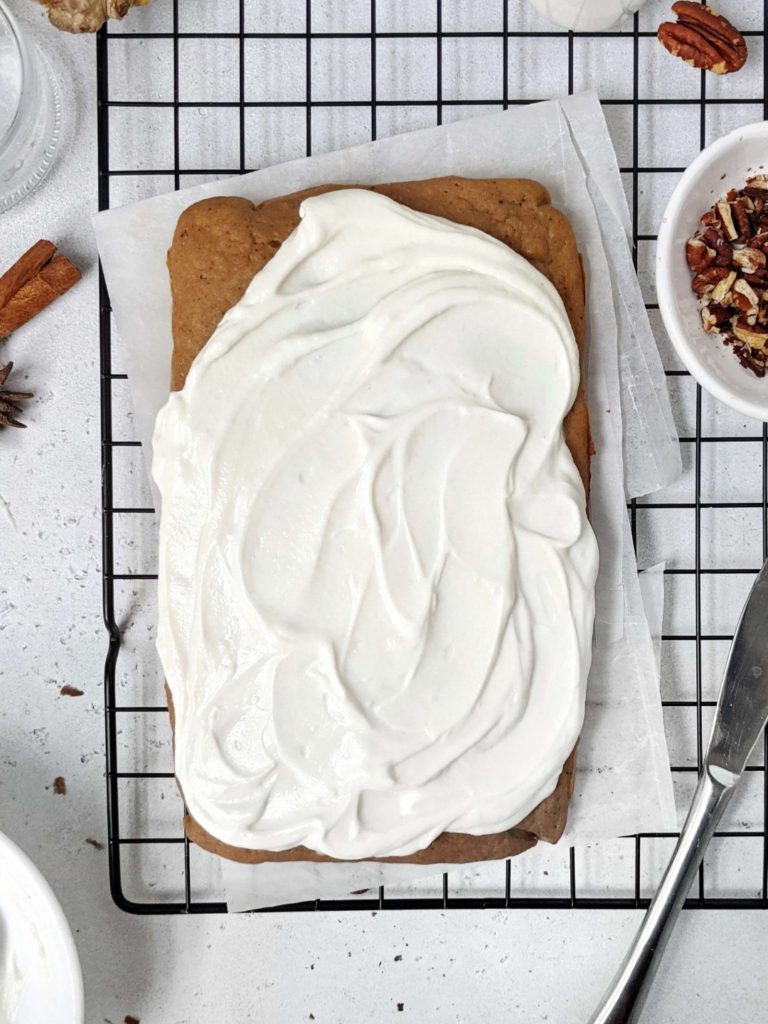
<point>754,336</point>
<point>699,255</point>
<point>743,208</point>
<point>723,249</point>
<point>759,241</point>
<point>703,38</point>
<point>721,293</point>
<point>714,317</point>
<point>725,212</point>
<point>703,282</point>
<point>751,261</point>
<point>706,280</point>
<point>728,258</point>
<point>743,297</point>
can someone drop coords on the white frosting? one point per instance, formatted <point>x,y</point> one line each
<point>376,570</point>
<point>587,15</point>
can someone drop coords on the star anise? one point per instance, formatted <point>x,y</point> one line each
<point>9,400</point>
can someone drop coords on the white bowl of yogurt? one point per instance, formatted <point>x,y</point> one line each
<point>40,975</point>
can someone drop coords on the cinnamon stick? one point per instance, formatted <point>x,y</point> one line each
<point>25,268</point>
<point>54,279</point>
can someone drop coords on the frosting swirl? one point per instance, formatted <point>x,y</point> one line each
<point>376,569</point>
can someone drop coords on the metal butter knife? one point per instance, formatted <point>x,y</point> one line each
<point>742,713</point>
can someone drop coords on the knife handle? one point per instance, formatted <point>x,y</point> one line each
<point>624,999</point>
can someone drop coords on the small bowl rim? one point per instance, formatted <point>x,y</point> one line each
<point>57,918</point>
<point>665,292</point>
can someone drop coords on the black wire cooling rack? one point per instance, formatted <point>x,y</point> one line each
<point>719,511</point>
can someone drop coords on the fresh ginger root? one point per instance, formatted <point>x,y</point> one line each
<point>87,15</point>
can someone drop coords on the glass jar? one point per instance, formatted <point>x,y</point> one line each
<point>30,113</point>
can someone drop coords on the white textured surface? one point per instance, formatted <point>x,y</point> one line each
<point>520,966</point>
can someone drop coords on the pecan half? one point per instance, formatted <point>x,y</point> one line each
<point>703,38</point>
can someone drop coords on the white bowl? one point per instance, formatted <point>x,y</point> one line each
<point>40,976</point>
<point>725,164</point>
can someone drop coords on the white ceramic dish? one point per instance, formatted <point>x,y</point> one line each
<point>30,113</point>
<point>726,164</point>
<point>40,976</point>
<point>587,15</point>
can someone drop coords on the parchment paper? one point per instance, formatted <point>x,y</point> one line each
<point>623,782</point>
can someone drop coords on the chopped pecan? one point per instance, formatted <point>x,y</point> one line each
<point>755,336</point>
<point>750,260</point>
<point>704,282</point>
<point>744,298</point>
<point>742,208</point>
<point>723,249</point>
<point>719,314</point>
<point>751,359</point>
<point>722,290</point>
<point>758,183</point>
<point>698,254</point>
<point>734,284</point>
<point>759,241</point>
<point>725,214</point>
<point>708,322</point>
<point>713,317</point>
<point>703,38</point>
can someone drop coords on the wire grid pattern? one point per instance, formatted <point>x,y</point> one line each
<point>196,91</point>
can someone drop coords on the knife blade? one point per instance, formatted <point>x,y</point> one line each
<point>742,708</point>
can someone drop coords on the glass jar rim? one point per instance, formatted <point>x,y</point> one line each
<point>15,32</point>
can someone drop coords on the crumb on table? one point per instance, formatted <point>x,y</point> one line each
<point>70,691</point>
